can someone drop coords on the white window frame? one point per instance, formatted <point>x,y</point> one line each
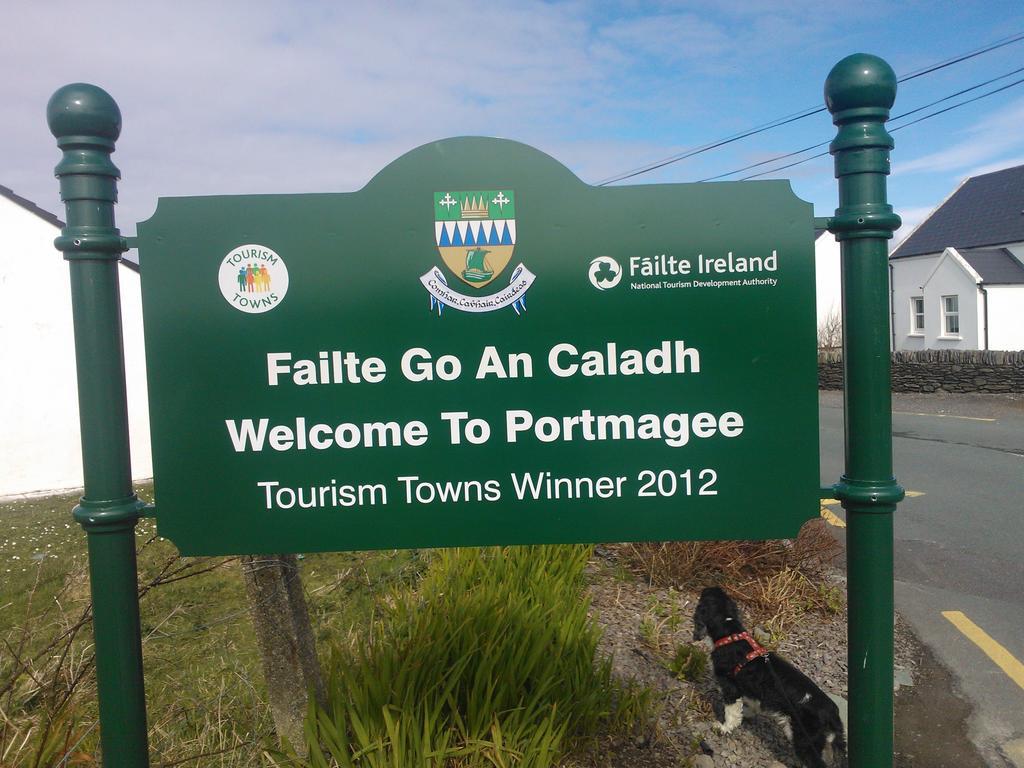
<point>948,315</point>
<point>916,328</point>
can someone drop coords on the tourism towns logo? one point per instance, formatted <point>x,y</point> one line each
<point>604,273</point>
<point>253,278</point>
<point>475,234</point>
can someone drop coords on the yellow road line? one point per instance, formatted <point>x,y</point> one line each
<point>909,495</point>
<point>943,416</point>
<point>832,519</point>
<point>1002,657</point>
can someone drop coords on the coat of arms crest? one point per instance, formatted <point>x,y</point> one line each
<point>475,233</point>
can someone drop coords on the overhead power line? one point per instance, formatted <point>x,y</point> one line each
<point>708,147</point>
<point>963,57</point>
<point>892,120</point>
<point>893,130</point>
<point>962,103</point>
<point>808,112</point>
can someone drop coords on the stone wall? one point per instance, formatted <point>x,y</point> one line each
<point>935,370</point>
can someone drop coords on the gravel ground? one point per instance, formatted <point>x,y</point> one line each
<point>644,625</point>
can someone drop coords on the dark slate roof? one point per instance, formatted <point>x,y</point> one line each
<point>28,205</point>
<point>997,266</point>
<point>48,217</point>
<point>986,210</point>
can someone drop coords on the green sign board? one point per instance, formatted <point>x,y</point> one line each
<point>478,348</point>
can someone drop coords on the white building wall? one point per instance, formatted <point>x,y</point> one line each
<point>1006,317</point>
<point>950,279</point>
<point>135,373</point>
<point>827,278</point>
<point>908,278</point>
<point>935,276</point>
<point>39,431</point>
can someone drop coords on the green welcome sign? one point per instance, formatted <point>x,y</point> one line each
<point>562,363</point>
<point>478,348</point>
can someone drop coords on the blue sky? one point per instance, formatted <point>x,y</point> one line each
<point>259,97</point>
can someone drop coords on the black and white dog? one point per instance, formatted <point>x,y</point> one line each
<point>746,671</point>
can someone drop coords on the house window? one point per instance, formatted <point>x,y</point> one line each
<point>917,314</point>
<point>951,315</point>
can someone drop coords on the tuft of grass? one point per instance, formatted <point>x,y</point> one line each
<point>689,663</point>
<point>830,599</point>
<point>492,662</point>
<point>778,599</point>
<point>699,706</point>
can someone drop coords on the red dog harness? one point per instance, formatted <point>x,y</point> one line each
<point>756,650</point>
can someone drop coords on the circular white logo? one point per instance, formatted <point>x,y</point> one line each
<point>253,278</point>
<point>604,273</point>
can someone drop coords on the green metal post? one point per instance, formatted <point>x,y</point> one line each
<point>859,92</point>
<point>87,122</point>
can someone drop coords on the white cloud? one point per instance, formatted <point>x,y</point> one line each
<point>984,142</point>
<point>243,97</point>
<point>224,98</point>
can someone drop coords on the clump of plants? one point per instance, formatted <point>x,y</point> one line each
<point>831,598</point>
<point>689,663</point>
<point>491,662</point>
<point>696,564</point>
<point>788,575</point>
<point>662,620</point>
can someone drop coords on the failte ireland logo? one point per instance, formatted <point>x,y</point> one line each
<point>253,278</point>
<point>475,234</point>
<point>604,272</point>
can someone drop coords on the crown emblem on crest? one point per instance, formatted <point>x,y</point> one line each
<point>475,208</point>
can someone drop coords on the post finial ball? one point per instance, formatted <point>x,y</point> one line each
<point>81,109</point>
<point>858,81</point>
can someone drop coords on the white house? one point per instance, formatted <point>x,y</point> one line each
<point>958,278</point>
<point>40,447</point>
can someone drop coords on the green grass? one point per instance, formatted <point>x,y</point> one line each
<point>486,654</point>
<point>689,663</point>
<point>492,662</point>
<point>205,693</point>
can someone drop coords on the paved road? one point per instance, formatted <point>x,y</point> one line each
<point>960,546</point>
